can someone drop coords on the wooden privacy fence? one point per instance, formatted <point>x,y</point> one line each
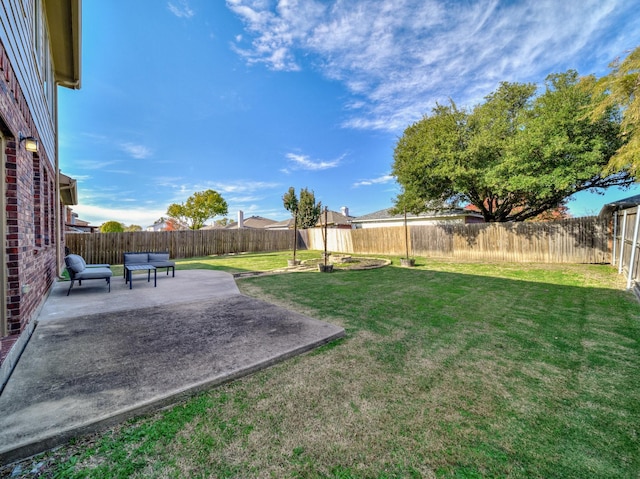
<point>109,247</point>
<point>576,240</point>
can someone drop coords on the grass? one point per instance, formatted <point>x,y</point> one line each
<point>238,263</point>
<point>448,370</point>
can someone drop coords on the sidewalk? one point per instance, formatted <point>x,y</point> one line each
<point>98,358</point>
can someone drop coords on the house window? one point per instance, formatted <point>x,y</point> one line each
<point>36,190</point>
<point>45,196</point>
<point>51,213</point>
<point>43,55</point>
<point>38,31</point>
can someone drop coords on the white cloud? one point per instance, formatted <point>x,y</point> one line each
<point>303,162</point>
<point>375,181</point>
<point>245,199</point>
<point>180,9</point>
<point>399,57</point>
<point>96,215</point>
<point>180,190</point>
<point>242,187</point>
<point>276,33</point>
<point>92,165</point>
<point>136,151</point>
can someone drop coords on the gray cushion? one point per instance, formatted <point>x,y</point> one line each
<point>158,256</point>
<point>162,264</point>
<point>136,258</point>
<point>75,263</point>
<point>94,273</point>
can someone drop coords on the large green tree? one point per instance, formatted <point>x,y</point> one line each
<point>514,156</point>
<point>620,89</point>
<point>198,208</point>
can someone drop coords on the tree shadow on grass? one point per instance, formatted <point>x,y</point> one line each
<point>542,367</point>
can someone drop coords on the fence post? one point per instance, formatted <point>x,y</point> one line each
<point>634,245</point>
<point>623,239</point>
<point>615,234</point>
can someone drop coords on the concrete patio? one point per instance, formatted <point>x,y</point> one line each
<point>98,358</point>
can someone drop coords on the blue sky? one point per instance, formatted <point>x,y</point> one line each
<point>250,97</point>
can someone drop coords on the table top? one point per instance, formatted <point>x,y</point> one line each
<point>135,267</point>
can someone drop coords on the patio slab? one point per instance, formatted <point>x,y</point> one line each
<point>98,358</point>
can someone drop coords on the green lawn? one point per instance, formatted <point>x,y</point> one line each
<point>238,263</point>
<point>460,370</point>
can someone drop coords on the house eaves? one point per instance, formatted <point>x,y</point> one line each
<point>623,204</point>
<point>64,18</point>
<point>383,216</point>
<point>68,190</point>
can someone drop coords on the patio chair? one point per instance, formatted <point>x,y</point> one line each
<point>78,270</point>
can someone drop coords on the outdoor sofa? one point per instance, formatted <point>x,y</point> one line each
<point>159,260</point>
<point>78,270</point>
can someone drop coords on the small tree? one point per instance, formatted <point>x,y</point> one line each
<point>305,211</point>
<point>223,222</point>
<point>324,224</point>
<point>290,201</point>
<point>171,224</point>
<point>407,203</point>
<point>198,208</point>
<point>308,210</point>
<point>402,205</point>
<point>112,227</point>
<point>133,228</point>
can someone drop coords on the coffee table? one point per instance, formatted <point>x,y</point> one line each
<point>129,268</point>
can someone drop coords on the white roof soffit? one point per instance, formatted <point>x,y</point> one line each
<point>64,18</point>
<point>68,190</point>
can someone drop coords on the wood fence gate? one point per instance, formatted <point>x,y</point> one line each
<point>624,251</point>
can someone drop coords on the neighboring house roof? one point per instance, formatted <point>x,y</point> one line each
<point>81,228</point>
<point>79,222</point>
<point>64,18</point>
<point>281,225</point>
<point>385,215</point>
<point>623,204</point>
<point>335,218</point>
<point>253,222</point>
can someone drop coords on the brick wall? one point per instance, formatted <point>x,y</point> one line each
<point>29,235</point>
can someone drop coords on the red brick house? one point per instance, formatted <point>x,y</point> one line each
<point>39,51</point>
